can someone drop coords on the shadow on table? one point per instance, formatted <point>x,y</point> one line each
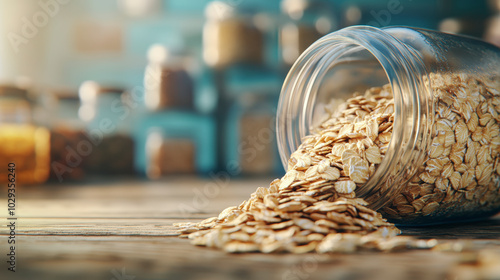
<point>484,229</point>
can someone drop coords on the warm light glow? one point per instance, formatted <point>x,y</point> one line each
<point>86,112</point>
<point>492,33</point>
<point>294,8</point>
<point>263,22</point>
<point>140,8</point>
<point>289,43</point>
<point>211,40</point>
<point>153,146</point>
<point>158,54</point>
<point>88,92</point>
<point>352,15</point>
<point>323,25</point>
<point>450,25</point>
<point>219,10</point>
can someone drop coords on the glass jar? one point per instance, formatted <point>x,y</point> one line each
<point>307,21</point>
<point>250,139</point>
<point>167,156</point>
<point>109,120</point>
<point>442,161</point>
<point>167,82</point>
<point>66,135</point>
<point>173,141</point>
<point>230,36</point>
<point>22,142</point>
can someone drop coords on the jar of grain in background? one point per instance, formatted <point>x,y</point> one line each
<point>108,121</point>
<point>167,82</point>
<point>23,143</point>
<point>439,137</point>
<point>67,135</point>
<point>307,21</point>
<point>250,141</point>
<point>230,36</point>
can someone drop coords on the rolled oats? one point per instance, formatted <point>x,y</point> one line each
<point>464,153</point>
<point>314,206</point>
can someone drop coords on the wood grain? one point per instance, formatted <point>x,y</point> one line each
<point>124,228</point>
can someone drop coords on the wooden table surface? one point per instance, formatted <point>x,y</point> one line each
<point>122,230</point>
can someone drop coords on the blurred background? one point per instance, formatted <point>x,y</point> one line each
<point>155,88</point>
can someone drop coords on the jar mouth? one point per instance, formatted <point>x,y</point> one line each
<point>405,72</point>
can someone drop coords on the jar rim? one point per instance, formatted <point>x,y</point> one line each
<point>405,71</point>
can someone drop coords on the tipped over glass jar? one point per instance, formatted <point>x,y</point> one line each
<point>441,156</point>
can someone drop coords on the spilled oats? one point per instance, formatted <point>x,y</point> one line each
<point>314,207</point>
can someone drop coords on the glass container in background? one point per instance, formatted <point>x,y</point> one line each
<point>248,123</point>
<point>492,30</point>
<point>307,21</point>
<point>171,136</point>
<point>108,124</point>
<point>67,136</point>
<point>174,141</point>
<point>230,36</point>
<point>22,142</point>
<point>352,15</point>
<point>169,155</point>
<point>167,83</point>
<point>251,134</point>
<point>464,26</point>
<point>239,47</point>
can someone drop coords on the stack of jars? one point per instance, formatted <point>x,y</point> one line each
<point>234,49</point>
<point>172,137</point>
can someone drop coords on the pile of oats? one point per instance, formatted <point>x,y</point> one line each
<point>460,178</point>
<point>314,206</point>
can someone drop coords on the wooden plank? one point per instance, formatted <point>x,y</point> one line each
<point>178,197</point>
<point>488,229</point>
<point>97,257</point>
<point>94,227</point>
<point>95,231</point>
